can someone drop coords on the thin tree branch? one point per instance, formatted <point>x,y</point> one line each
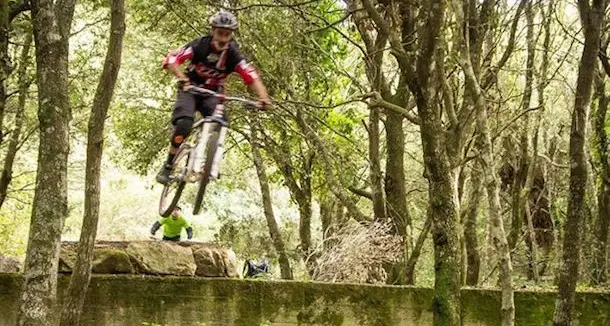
<point>331,25</point>
<point>548,159</point>
<point>381,23</point>
<point>18,7</point>
<point>491,75</point>
<point>262,5</point>
<point>603,57</point>
<point>89,25</point>
<point>379,102</point>
<point>186,21</point>
<point>27,136</point>
<point>524,112</point>
<point>361,192</point>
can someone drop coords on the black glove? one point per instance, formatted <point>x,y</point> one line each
<point>155,227</point>
<point>189,232</point>
<point>183,83</point>
<point>264,104</point>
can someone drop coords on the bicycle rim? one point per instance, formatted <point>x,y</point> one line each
<point>211,149</point>
<point>173,190</point>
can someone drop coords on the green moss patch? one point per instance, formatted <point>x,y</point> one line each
<point>137,299</point>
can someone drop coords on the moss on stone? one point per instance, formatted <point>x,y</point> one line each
<point>112,261</point>
<point>593,308</point>
<point>534,307</point>
<point>133,299</point>
<point>481,306</point>
<point>9,282</point>
<point>10,285</point>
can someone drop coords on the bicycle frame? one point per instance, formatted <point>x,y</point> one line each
<point>202,162</point>
<point>197,153</point>
<point>205,127</point>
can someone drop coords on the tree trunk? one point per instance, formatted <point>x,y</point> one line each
<point>592,19</point>
<point>416,252</point>
<point>333,218</point>
<point>326,216</point>
<point>516,225</point>
<point>522,161</point>
<point>542,84</point>
<point>304,202</point>
<point>274,230</point>
<point>494,211</point>
<point>396,193</point>
<point>4,61</point>
<point>600,153</point>
<point>552,179</point>
<point>524,205</point>
<point>376,78</point>
<point>395,190</point>
<point>305,232</point>
<point>375,169</point>
<point>470,228</point>
<point>499,236</point>
<point>81,273</point>
<point>491,182</point>
<point>441,186</point>
<point>443,211</point>
<point>13,146</point>
<point>300,192</point>
<point>599,269</point>
<point>51,24</point>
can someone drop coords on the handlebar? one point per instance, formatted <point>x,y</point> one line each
<point>223,97</point>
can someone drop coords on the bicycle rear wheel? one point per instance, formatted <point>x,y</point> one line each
<point>173,190</point>
<point>211,149</point>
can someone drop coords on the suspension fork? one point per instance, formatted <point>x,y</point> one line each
<point>219,152</point>
<point>216,120</point>
<point>198,154</point>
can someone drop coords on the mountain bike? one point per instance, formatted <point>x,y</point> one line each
<point>199,161</point>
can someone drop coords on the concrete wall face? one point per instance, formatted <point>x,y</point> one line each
<point>168,301</point>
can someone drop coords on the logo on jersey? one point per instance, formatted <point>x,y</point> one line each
<point>207,73</point>
<point>213,57</point>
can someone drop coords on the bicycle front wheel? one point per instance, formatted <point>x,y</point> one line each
<point>173,189</point>
<point>211,149</point>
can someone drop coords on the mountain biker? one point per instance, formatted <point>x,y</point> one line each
<point>213,58</point>
<point>172,226</point>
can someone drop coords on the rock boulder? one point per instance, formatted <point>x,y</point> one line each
<point>155,258</point>
<point>163,258</point>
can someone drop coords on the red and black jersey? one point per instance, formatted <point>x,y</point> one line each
<point>210,66</point>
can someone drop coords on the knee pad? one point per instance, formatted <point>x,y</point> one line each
<point>182,128</point>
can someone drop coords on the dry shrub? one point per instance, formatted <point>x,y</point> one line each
<point>358,253</point>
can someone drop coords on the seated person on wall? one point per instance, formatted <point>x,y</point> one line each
<point>172,226</point>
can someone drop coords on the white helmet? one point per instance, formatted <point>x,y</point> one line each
<point>224,19</point>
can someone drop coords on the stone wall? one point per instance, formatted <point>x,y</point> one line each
<point>185,258</point>
<point>151,300</point>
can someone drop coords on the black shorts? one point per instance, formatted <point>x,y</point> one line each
<point>187,103</point>
<point>176,238</point>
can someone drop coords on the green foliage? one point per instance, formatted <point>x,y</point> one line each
<point>142,134</point>
<point>310,70</point>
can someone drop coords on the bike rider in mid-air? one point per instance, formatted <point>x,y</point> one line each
<point>212,59</point>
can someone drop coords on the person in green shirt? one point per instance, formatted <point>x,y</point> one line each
<point>172,226</point>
